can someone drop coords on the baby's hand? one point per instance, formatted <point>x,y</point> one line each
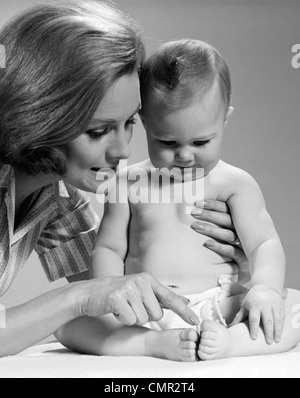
<point>263,305</point>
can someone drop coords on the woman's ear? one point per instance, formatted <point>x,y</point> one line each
<point>229,113</point>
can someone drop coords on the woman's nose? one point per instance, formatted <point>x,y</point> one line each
<point>120,147</point>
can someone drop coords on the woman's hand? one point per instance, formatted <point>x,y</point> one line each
<point>133,299</point>
<point>214,220</point>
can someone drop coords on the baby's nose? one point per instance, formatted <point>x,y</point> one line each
<point>185,155</point>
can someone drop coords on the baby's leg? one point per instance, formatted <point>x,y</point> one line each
<point>219,342</point>
<point>112,338</point>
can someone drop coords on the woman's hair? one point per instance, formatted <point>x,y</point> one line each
<point>61,58</point>
<point>180,71</point>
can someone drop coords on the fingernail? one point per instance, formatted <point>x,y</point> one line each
<point>201,203</point>
<point>197,226</point>
<point>197,212</point>
<point>193,321</point>
<point>187,301</point>
<point>210,243</point>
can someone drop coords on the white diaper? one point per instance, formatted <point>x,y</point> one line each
<point>205,305</point>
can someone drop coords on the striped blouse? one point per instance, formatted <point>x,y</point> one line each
<point>60,226</point>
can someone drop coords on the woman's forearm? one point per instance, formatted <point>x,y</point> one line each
<point>30,323</point>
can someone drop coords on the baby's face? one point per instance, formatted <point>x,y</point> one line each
<point>187,139</point>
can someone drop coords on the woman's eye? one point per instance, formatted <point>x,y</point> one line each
<point>201,143</point>
<point>96,135</point>
<point>131,122</point>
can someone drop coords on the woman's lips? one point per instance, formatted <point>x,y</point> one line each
<point>106,169</point>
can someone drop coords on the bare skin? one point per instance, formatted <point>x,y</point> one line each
<point>161,240</point>
<point>83,334</point>
<point>218,342</point>
<point>175,344</point>
<point>156,237</point>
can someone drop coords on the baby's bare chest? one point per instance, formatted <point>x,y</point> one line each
<point>164,204</point>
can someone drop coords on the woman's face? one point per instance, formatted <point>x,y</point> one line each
<point>107,140</point>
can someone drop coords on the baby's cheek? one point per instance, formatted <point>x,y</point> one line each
<point>166,156</point>
<point>205,157</point>
<point>155,155</point>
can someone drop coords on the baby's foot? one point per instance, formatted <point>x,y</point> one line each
<point>173,344</point>
<point>215,341</point>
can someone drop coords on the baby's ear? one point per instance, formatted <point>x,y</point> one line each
<point>229,113</point>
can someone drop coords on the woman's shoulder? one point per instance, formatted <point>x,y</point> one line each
<point>68,197</point>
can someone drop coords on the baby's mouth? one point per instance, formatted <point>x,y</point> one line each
<point>189,172</point>
<point>184,168</point>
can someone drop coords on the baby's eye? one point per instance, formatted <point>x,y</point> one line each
<point>167,143</point>
<point>201,143</point>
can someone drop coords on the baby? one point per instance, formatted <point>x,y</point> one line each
<point>186,93</point>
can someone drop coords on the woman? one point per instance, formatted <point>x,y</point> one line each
<point>68,97</point>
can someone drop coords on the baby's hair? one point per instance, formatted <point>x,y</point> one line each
<point>180,71</point>
<point>61,57</point>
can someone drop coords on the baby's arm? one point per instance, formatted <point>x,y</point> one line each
<point>111,245</point>
<point>266,257</point>
<point>257,233</point>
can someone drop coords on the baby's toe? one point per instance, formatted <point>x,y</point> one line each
<point>190,355</point>
<point>208,342</point>
<point>189,335</point>
<point>209,336</point>
<point>206,349</point>
<point>188,345</point>
<point>204,356</point>
<point>209,326</point>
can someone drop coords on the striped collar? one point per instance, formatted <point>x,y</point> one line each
<point>43,202</point>
<point>7,176</point>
